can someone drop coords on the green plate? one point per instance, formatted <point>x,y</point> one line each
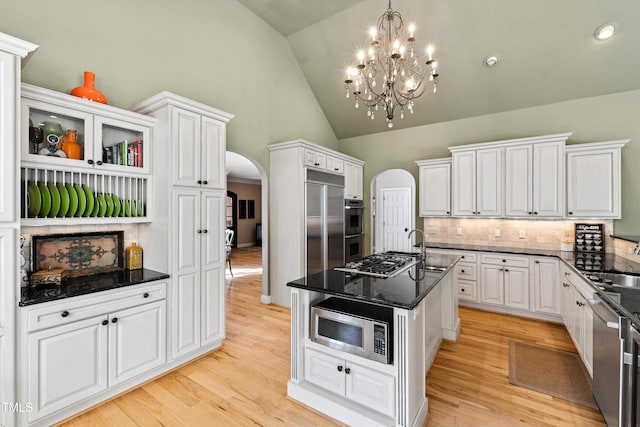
<point>34,199</point>
<point>134,209</point>
<point>140,208</point>
<point>64,200</point>
<point>82,200</point>
<point>90,200</point>
<point>96,206</point>
<point>127,208</point>
<point>103,205</point>
<point>117,206</point>
<point>46,200</point>
<point>73,201</point>
<point>110,205</point>
<point>55,200</point>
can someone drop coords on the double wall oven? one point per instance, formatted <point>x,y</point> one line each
<point>353,245</point>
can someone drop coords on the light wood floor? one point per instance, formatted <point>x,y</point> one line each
<point>244,382</point>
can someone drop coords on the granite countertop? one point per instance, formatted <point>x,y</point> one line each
<point>83,285</point>
<point>405,290</point>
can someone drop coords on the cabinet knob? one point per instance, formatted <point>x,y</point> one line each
<point>339,368</point>
<point>105,322</point>
<point>114,320</point>
<point>578,303</point>
<point>504,260</point>
<point>205,182</point>
<point>64,313</point>
<point>535,213</point>
<point>537,262</point>
<point>347,371</point>
<point>145,295</point>
<point>99,162</point>
<point>462,257</point>
<point>461,271</point>
<point>90,161</point>
<point>530,212</point>
<point>506,269</point>
<point>462,289</point>
<point>199,231</point>
<point>199,181</point>
<point>205,231</point>
<point>448,212</point>
<point>336,169</point>
<point>570,213</point>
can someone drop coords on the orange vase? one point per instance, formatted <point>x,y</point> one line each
<point>70,146</point>
<point>87,91</point>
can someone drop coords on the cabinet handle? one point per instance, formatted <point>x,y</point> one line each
<point>462,290</point>
<point>578,303</point>
<point>336,169</point>
<point>114,320</point>
<point>64,313</point>
<point>99,162</point>
<point>504,260</point>
<point>462,257</point>
<point>565,285</point>
<point>205,182</point>
<point>570,213</point>
<point>339,368</point>
<point>145,295</point>
<point>478,213</point>
<point>448,213</point>
<point>205,231</point>
<point>537,262</point>
<point>566,273</point>
<point>535,213</point>
<point>105,322</point>
<point>530,212</point>
<point>461,271</point>
<point>199,231</point>
<point>199,181</point>
<point>90,161</point>
<point>347,371</point>
<point>506,269</point>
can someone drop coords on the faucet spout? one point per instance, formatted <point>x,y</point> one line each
<point>422,246</point>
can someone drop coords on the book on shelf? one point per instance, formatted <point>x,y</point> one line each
<point>124,153</point>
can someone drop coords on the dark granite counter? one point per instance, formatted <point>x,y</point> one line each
<point>403,291</point>
<point>89,284</point>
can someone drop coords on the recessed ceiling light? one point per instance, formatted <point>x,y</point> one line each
<point>491,61</point>
<point>606,31</point>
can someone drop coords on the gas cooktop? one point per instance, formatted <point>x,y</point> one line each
<point>384,265</point>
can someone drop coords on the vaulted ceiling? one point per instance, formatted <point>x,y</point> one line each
<point>546,48</point>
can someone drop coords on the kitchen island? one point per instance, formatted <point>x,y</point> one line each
<point>357,390</point>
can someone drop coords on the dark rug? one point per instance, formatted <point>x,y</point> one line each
<point>554,372</point>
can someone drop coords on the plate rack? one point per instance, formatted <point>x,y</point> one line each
<point>132,191</point>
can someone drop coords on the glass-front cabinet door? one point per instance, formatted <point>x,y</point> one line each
<point>122,145</point>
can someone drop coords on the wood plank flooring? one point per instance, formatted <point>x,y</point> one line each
<point>244,382</point>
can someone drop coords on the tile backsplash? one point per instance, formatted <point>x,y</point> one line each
<point>538,234</point>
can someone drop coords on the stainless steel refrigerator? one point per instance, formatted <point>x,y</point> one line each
<point>324,216</point>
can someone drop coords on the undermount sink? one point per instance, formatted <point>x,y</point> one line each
<point>616,279</point>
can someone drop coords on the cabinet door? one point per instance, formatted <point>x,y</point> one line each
<point>435,190</point>
<point>492,284</point>
<point>66,365</point>
<point>464,183</point>
<point>185,297</point>
<point>325,371</point>
<point>8,134</point>
<point>578,319</point>
<point>212,266</point>
<point>546,287</point>
<point>567,306</point>
<point>129,145</point>
<point>186,148</point>
<point>593,184</point>
<point>516,287</point>
<point>587,355</point>
<point>548,179</point>
<point>489,182</point>
<point>335,165</point>
<point>518,181</point>
<point>370,388</point>
<point>213,153</point>
<point>136,341</point>
<point>353,181</point>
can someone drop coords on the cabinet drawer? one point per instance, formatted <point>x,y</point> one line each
<point>467,256</point>
<point>466,290</point>
<point>57,313</point>
<point>466,271</point>
<point>510,260</point>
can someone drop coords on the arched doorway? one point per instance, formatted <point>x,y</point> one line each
<point>243,168</point>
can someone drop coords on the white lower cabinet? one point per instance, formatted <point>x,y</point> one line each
<point>77,348</point>
<point>362,385</point>
<point>505,281</point>
<point>546,272</point>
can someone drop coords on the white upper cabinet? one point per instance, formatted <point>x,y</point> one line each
<point>477,182</point>
<point>593,180</point>
<point>353,181</point>
<point>435,187</point>
<point>534,176</point>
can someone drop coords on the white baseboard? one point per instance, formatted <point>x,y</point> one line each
<point>265,299</point>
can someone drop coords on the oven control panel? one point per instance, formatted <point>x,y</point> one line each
<point>379,339</point>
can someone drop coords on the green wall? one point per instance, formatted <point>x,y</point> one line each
<point>216,52</point>
<point>602,118</point>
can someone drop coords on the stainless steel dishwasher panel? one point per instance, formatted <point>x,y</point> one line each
<point>607,361</point>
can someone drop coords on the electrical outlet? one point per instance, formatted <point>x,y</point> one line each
<point>459,231</point>
<point>496,232</point>
<point>522,234</point>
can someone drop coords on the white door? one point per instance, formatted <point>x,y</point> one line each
<point>396,219</point>
<point>136,341</point>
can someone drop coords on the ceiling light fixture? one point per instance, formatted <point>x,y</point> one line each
<point>491,61</point>
<point>605,31</point>
<point>389,74</point>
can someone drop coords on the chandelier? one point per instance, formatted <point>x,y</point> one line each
<point>390,75</point>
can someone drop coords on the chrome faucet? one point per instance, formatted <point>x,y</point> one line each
<point>423,256</point>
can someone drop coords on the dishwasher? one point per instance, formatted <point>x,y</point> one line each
<point>608,367</point>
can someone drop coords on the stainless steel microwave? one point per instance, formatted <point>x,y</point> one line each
<point>355,327</point>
